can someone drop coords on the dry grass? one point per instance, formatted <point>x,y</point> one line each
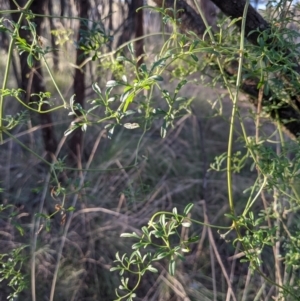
<point>73,257</point>
<point>170,173</point>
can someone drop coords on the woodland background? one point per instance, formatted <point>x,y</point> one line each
<point>62,234</point>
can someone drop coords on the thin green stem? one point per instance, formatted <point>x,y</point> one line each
<point>27,148</point>
<point>9,58</point>
<point>234,110</point>
<point>208,28</point>
<point>251,202</point>
<point>54,82</point>
<point>38,110</point>
<point>34,153</point>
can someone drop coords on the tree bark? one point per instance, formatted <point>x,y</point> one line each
<point>139,30</point>
<point>133,25</point>
<point>75,143</point>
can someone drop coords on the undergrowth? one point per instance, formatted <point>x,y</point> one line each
<point>208,212</point>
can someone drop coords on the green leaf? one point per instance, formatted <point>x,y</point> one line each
<point>30,60</point>
<point>193,238</point>
<point>118,256</point>
<point>111,99</point>
<point>111,131</point>
<point>124,281</point>
<point>145,230</point>
<point>183,99</point>
<point>163,132</point>
<point>159,63</point>
<point>129,99</point>
<point>162,220</point>
<point>188,208</point>
<point>130,48</point>
<point>266,89</point>
<point>43,215</point>
<point>194,57</point>
<point>124,78</point>
<point>185,250</point>
<point>143,69</point>
<point>112,83</point>
<point>158,234</point>
<point>180,85</point>
<point>157,78</point>
<point>152,269</point>
<point>124,96</point>
<point>234,21</point>
<point>97,89</point>
<point>129,235</point>
<point>160,255</point>
<point>71,208</point>
<point>129,112</point>
<point>137,245</point>
<point>172,266</point>
<point>123,58</point>
<point>19,228</point>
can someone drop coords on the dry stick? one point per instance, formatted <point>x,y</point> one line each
<point>35,231</point>
<point>33,129</point>
<point>260,292</point>
<point>268,297</point>
<point>64,236</point>
<point>200,247</point>
<point>36,227</point>
<point>83,223</point>
<point>180,291</point>
<point>246,289</point>
<point>213,268</point>
<point>212,242</point>
<point>233,266</point>
<point>144,212</point>
<point>154,287</point>
<point>121,203</point>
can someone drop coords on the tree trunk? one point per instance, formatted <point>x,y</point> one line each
<point>54,47</point>
<point>75,143</point>
<point>139,30</point>
<point>134,25</point>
